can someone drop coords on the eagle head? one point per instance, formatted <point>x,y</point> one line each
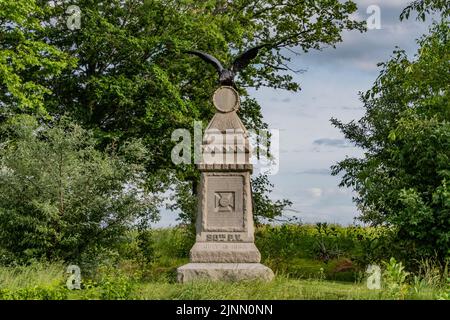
<point>227,77</point>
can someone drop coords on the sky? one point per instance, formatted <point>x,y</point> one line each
<point>309,145</point>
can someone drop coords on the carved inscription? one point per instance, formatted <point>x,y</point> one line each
<point>225,237</point>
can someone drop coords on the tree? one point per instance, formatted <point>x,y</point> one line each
<point>424,7</point>
<point>403,179</point>
<point>60,198</point>
<point>25,59</point>
<point>132,80</point>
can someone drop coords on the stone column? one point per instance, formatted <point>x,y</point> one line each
<point>224,248</point>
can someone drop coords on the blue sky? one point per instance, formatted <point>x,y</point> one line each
<point>309,144</point>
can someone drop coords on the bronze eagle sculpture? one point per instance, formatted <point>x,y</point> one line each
<point>226,76</point>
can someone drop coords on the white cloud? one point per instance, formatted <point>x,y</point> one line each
<point>315,192</point>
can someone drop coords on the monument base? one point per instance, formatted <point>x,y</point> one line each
<point>224,272</point>
<point>221,252</point>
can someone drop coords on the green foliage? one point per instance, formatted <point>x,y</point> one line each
<point>403,179</point>
<point>155,254</point>
<point>184,200</point>
<point>34,274</point>
<point>301,250</point>
<point>446,294</point>
<point>35,293</point>
<point>395,279</point>
<point>281,288</point>
<point>432,272</point>
<point>326,250</point>
<point>35,281</point>
<point>26,59</point>
<point>324,242</point>
<point>145,245</point>
<point>131,78</point>
<point>114,285</point>
<point>118,284</point>
<point>124,77</point>
<point>107,283</point>
<point>173,242</point>
<point>128,280</point>
<point>424,7</point>
<point>60,198</point>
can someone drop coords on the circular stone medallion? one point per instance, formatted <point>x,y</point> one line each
<point>224,202</point>
<point>226,99</point>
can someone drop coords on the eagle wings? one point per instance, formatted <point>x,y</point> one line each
<point>226,76</point>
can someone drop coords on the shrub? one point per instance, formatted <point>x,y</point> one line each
<point>61,198</point>
<point>395,279</point>
<point>56,292</point>
<point>403,179</point>
<point>116,286</point>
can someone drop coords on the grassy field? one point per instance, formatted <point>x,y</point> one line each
<point>280,288</point>
<point>310,262</point>
<point>48,282</point>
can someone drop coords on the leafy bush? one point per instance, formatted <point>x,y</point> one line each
<point>115,285</point>
<point>31,283</point>
<point>403,178</point>
<point>323,242</point>
<point>173,242</point>
<point>61,198</point>
<point>326,250</point>
<point>156,253</point>
<point>56,292</point>
<point>291,249</point>
<point>446,294</point>
<point>395,279</point>
<point>432,272</point>
<point>34,274</point>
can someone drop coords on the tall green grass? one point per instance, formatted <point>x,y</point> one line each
<point>116,284</point>
<point>310,262</point>
<point>34,274</point>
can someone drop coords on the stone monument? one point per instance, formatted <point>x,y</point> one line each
<point>225,248</point>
